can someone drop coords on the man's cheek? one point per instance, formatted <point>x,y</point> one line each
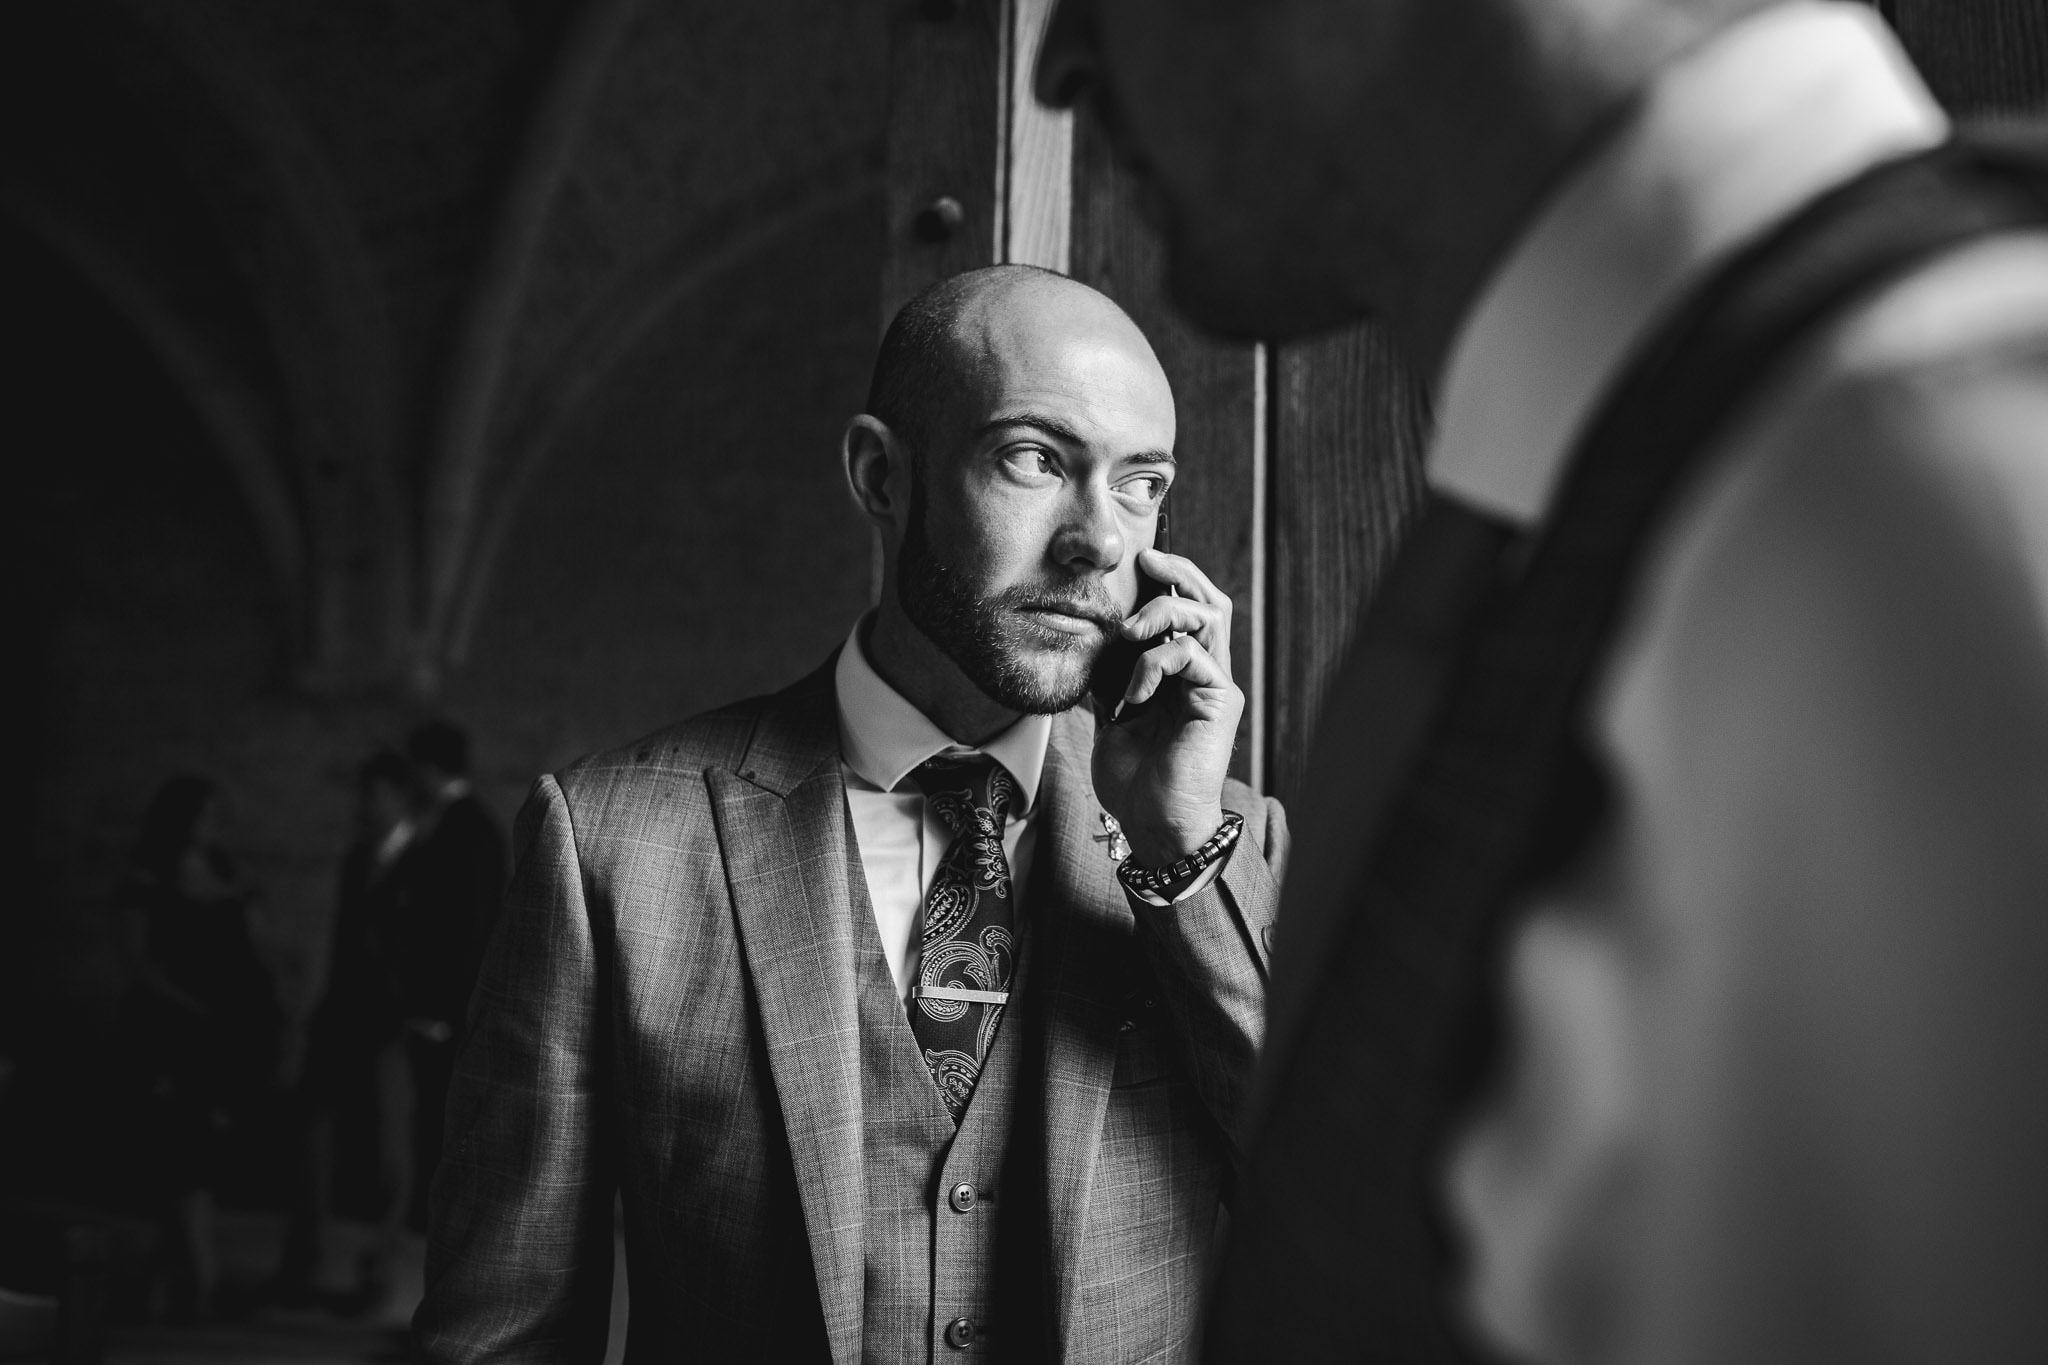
<point>1127,580</point>
<point>996,529</point>
<point>965,547</point>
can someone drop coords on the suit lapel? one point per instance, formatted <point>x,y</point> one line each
<point>1089,926</point>
<point>781,820</point>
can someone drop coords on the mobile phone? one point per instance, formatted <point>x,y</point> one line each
<point>1113,667</point>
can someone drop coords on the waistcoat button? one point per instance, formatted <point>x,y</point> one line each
<point>959,1333</point>
<point>962,1199</point>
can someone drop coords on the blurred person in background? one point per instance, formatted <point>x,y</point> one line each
<point>359,1043</point>
<point>462,859</point>
<point>458,873</point>
<point>201,1021</point>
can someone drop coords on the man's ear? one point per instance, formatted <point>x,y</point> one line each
<point>877,471</point>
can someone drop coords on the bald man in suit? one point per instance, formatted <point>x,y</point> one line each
<point>910,1011</point>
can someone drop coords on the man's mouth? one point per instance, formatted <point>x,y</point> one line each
<point>1071,618</point>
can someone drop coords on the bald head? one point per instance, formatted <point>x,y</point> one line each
<point>943,343</point>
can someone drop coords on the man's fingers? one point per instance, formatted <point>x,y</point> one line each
<point>1184,658</point>
<point>1204,620</point>
<point>1182,573</point>
<point>1201,608</point>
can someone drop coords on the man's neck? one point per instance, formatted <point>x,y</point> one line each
<point>908,661</point>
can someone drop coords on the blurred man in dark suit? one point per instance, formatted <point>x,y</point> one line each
<point>1720,659</point>
<point>358,1079</point>
<point>456,879</point>
<point>459,866</point>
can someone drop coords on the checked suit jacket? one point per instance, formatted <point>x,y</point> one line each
<point>667,1011</point>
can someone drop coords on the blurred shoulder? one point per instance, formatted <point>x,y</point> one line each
<point>1863,563</point>
<point>1941,377</point>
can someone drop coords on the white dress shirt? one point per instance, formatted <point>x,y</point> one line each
<point>1723,145</point>
<point>391,845</point>
<point>882,740</point>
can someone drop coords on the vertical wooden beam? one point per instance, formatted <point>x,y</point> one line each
<point>1218,392</point>
<point>1349,424</point>
<point>1257,669</point>
<point>1038,180</point>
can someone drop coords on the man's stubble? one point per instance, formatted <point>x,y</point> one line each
<point>981,632</point>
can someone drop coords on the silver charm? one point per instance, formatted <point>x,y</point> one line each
<point>1113,835</point>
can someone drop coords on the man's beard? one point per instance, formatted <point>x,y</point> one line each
<point>981,633</point>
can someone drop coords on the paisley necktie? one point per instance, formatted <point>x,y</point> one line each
<point>970,924</point>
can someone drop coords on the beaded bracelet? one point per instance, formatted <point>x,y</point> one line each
<point>1160,885</point>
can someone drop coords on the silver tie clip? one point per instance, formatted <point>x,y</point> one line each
<point>923,992</point>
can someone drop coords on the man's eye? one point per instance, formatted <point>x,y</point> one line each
<point>1031,462</point>
<point>1148,488</point>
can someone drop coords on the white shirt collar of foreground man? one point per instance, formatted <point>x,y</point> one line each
<point>885,738</point>
<point>1723,144</point>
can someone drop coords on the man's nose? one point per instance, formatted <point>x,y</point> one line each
<point>1092,536</point>
<point>1066,59</point>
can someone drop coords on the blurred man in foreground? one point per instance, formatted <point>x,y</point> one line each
<point>1720,660</point>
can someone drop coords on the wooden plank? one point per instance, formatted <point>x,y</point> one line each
<point>1349,424</point>
<point>1219,397</point>
<point>1979,56</point>
<point>944,141</point>
<point>1038,199</point>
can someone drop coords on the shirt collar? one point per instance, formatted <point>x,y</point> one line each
<point>393,842</point>
<point>883,738</point>
<point>1723,143</point>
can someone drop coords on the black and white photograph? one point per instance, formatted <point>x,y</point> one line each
<point>1055,682</point>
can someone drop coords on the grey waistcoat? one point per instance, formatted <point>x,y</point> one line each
<point>932,1193</point>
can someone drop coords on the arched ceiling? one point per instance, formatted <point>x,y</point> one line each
<point>386,248</point>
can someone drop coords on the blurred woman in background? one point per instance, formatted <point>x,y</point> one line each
<point>201,1019</point>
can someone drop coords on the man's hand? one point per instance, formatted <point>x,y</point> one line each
<point>1160,772</point>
